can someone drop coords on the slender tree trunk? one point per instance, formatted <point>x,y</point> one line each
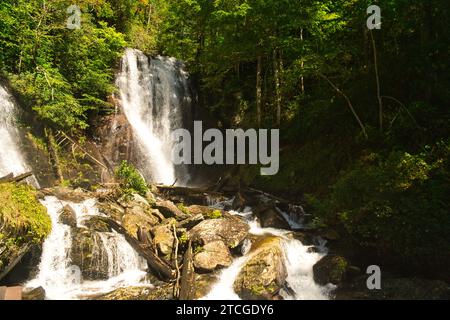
<point>349,103</point>
<point>302,65</point>
<point>258,91</point>
<point>52,147</point>
<point>377,77</point>
<point>276,67</point>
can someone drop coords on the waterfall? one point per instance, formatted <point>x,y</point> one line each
<point>62,280</point>
<point>11,158</point>
<point>152,95</point>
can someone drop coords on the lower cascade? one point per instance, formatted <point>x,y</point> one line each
<point>108,257</point>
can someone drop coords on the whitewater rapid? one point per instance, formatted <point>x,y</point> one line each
<point>62,280</point>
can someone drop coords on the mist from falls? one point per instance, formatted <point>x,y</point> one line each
<point>11,157</point>
<point>152,95</point>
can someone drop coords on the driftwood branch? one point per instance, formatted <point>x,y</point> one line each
<point>10,177</point>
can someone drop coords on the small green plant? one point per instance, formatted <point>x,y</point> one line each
<point>198,249</point>
<point>214,214</point>
<point>131,181</point>
<point>183,208</point>
<point>184,238</point>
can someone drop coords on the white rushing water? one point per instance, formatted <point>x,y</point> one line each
<point>11,158</point>
<point>152,95</point>
<point>62,280</point>
<point>299,261</point>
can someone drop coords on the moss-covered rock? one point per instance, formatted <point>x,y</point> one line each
<point>264,274</point>
<point>87,254</point>
<point>330,269</point>
<point>140,293</point>
<point>24,222</point>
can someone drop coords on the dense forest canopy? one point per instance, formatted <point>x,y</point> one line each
<point>364,114</point>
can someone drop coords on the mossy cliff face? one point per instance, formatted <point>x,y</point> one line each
<point>23,222</point>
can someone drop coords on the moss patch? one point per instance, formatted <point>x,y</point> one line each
<point>23,221</point>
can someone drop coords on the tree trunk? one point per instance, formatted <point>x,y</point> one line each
<point>258,90</point>
<point>377,78</point>
<point>276,70</point>
<point>302,65</point>
<point>54,154</point>
<point>188,275</point>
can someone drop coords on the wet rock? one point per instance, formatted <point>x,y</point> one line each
<point>34,294</point>
<point>111,210</point>
<point>87,254</point>
<point>68,216</point>
<point>264,274</point>
<point>238,202</point>
<point>394,289</point>
<point>96,224</point>
<point>169,210</point>
<point>190,222</point>
<point>330,269</point>
<point>150,197</point>
<point>140,293</point>
<point>137,217</point>
<point>330,235</point>
<point>204,284</point>
<point>206,212</point>
<point>134,200</point>
<point>213,256</point>
<point>231,230</point>
<point>164,239</point>
<point>270,217</point>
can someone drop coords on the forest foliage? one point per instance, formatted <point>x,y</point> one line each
<point>364,114</point>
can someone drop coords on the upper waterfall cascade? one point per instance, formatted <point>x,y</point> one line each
<point>11,158</point>
<point>153,92</point>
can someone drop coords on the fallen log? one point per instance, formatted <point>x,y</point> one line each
<point>10,177</point>
<point>161,268</point>
<point>17,258</point>
<point>187,286</point>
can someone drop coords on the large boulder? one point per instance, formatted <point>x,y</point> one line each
<point>238,202</point>
<point>330,269</point>
<point>214,255</point>
<point>97,224</point>
<point>163,238</point>
<point>130,201</point>
<point>87,253</point>
<point>112,210</point>
<point>269,216</point>
<point>264,274</point>
<point>138,217</point>
<point>231,230</point>
<point>169,210</point>
<point>68,216</point>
